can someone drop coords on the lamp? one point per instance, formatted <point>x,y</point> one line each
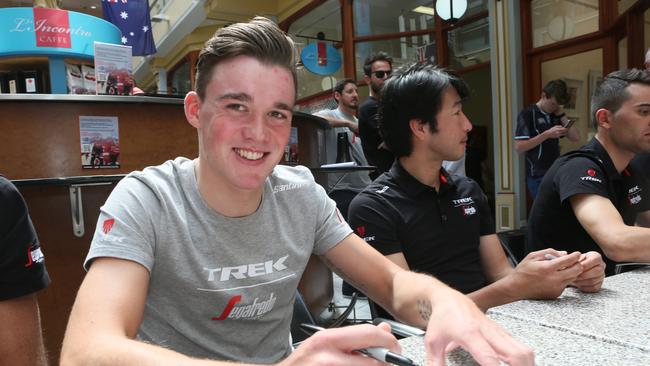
<point>451,10</point>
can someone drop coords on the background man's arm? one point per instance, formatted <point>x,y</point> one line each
<point>335,122</point>
<point>421,300</point>
<point>601,220</point>
<point>554,132</point>
<point>21,340</point>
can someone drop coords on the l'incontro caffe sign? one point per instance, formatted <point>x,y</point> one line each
<point>42,31</point>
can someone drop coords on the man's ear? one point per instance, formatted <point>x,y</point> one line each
<point>366,78</point>
<point>604,118</point>
<point>192,106</point>
<point>418,128</point>
<point>337,97</point>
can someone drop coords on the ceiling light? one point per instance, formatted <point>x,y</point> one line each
<point>451,10</point>
<point>424,10</point>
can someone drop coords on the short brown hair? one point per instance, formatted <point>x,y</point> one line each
<point>259,38</point>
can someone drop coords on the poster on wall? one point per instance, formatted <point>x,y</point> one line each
<point>113,69</point>
<point>100,142</point>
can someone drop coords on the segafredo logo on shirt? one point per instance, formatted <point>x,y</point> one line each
<point>466,204</point>
<point>244,271</point>
<point>591,176</point>
<point>108,225</point>
<point>634,195</point>
<point>251,311</point>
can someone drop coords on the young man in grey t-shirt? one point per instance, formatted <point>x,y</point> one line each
<point>199,259</point>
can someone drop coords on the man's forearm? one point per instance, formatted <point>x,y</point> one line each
<point>494,294</point>
<point>414,296</point>
<point>628,244</point>
<point>525,145</point>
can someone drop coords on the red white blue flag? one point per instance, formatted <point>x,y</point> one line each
<point>132,17</point>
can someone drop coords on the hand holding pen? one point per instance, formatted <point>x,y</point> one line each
<point>353,345</point>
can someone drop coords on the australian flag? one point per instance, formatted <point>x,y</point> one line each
<point>132,17</point>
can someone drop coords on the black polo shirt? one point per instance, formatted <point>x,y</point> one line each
<point>438,232</point>
<point>371,139</point>
<point>531,122</point>
<point>22,270</point>
<point>640,165</point>
<point>552,222</point>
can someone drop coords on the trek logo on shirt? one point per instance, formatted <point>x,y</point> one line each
<point>591,176</point>
<point>361,231</point>
<point>634,195</point>
<point>34,255</point>
<point>108,225</point>
<point>251,311</point>
<point>466,205</point>
<point>246,270</point>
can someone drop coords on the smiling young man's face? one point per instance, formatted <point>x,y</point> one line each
<point>244,121</point>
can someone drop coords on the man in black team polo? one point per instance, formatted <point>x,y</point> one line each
<point>377,68</point>
<point>589,199</point>
<point>424,219</point>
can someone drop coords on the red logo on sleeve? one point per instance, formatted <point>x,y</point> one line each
<point>591,172</point>
<point>108,225</point>
<point>361,230</point>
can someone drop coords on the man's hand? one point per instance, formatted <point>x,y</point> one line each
<point>593,273</point>
<point>538,277</point>
<point>556,132</point>
<point>337,346</point>
<point>456,321</point>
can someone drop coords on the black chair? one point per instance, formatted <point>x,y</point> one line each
<point>302,315</point>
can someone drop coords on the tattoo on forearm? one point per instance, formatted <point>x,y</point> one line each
<point>424,308</point>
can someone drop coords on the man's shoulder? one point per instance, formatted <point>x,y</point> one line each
<point>368,104</point>
<point>169,175</point>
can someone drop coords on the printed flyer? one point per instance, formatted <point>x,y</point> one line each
<point>113,69</point>
<point>100,142</point>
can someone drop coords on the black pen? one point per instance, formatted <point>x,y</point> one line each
<point>378,353</point>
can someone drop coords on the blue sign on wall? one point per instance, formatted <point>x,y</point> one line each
<point>22,34</point>
<point>321,58</point>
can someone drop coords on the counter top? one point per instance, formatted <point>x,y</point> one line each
<point>611,327</point>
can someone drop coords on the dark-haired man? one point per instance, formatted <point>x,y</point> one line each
<point>376,69</point>
<point>426,220</point>
<point>589,198</point>
<point>199,260</point>
<point>539,129</point>
<point>342,187</point>
<point>22,274</point>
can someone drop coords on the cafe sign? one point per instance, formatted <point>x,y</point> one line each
<point>43,31</point>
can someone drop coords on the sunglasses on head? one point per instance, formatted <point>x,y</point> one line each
<point>381,73</point>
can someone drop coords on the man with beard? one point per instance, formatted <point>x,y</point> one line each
<point>342,187</point>
<point>377,69</point>
<point>589,198</point>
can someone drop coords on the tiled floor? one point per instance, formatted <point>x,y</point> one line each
<point>360,313</point>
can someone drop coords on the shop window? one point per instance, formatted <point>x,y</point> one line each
<point>475,7</point>
<point>373,17</point>
<point>469,45</point>
<point>324,23</point>
<point>402,50</point>
<point>622,53</point>
<point>582,72</point>
<point>558,20</point>
<point>180,80</point>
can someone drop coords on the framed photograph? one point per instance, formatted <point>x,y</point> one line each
<point>595,77</point>
<point>573,107</point>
